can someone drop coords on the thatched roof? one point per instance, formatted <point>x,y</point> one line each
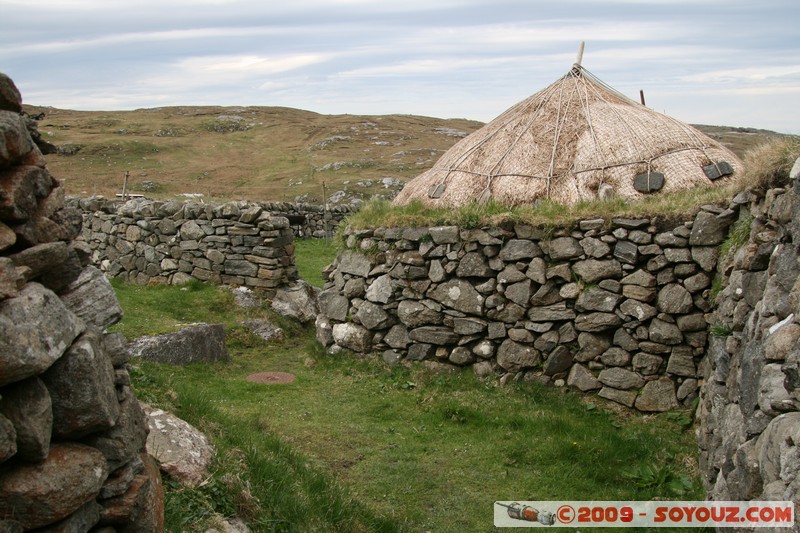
<point>575,140</point>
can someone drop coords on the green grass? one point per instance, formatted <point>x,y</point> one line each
<point>312,256</point>
<point>354,445</point>
<point>381,213</point>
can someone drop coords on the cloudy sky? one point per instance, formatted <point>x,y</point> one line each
<point>724,62</point>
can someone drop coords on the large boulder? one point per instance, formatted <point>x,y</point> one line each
<point>38,495</point>
<point>183,452</point>
<point>297,301</point>
<point>201,343</point>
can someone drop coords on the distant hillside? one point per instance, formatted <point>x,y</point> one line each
<point>258,153</point>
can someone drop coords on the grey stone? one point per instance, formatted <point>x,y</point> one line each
<point>706,257</point>
<point>127,438</point>
<point>190,231</point>
<point>697,283</point>
<point>718,170</point>
<point>638,310</point>
<point>372,316</point>
<point>414,313</point>
<point>28,406</point>
<point>631,223</point>
<point>355,263</point>
<point>324,330</point>
<point>420,352</point>
<point>352,337</point>
<point>773,398</point>
<point>461,356</point>
<point>657,396</point>
<point>469,326</point>
<point>182,451</point>
<point>92,407</point>
<point>771,445</point>
<point>474,264</point>
<point>193,344</point>
<point>595,248</point>
<point>92,298</point>
<point>397,337</point>
<point>518,249</point>
<point>595,322</point>
<point>547,341</point>
<point>459,295</point>
<point>511,274</point>
<point>444,234</point>
<point>641,278</point>
<point>591,346</point>
<point>333,305</point>
<point>626,252</point>
<point>36,328</point>
<point>381,289</point>
<point>513,356</point>
<point>593,270</point>
<point>664,332</point>
<point>647,364</point>
<point>433,335</point>
<point>555,312</point>
<point>537,270</point>
<point>687,389</point>
<point>597,299</point>
<point>297,301</point>
<point>674,299</point>
<point>693,322</point>
<point>356,288</point>
<point>624,397</point>
<point>520,293</point>
<point>558,361</point>
<point>619,378</point>
<point>436,272</point>
<point>677,255</point>
<point>681,363</point>
<point>615,356</point>
<point>548,294</point>
<point>582,379</point>
<point>708,229</point>
<point>521,335</point>
<point>484,349</point>
<point>564,248</point>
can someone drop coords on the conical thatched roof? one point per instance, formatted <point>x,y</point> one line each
<point>575,140</point>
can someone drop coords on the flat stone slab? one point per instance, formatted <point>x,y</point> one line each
<point>200,343</point>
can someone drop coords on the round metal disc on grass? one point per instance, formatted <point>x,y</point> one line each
<point>271,378</point>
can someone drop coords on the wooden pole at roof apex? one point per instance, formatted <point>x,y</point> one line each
<point>580,54</point>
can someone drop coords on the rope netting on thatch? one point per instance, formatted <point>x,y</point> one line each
<point>565,143</point>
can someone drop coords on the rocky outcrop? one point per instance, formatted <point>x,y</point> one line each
<point>618,307</point>
<point>749,435</point>
<point>72,434</point>
<point>147,241</point>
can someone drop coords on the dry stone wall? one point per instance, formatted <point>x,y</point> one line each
<point>749,435</point>
<point>144,241</point>
<point>618,307</point>
<point>311,220</point>
<point>72,433</point>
